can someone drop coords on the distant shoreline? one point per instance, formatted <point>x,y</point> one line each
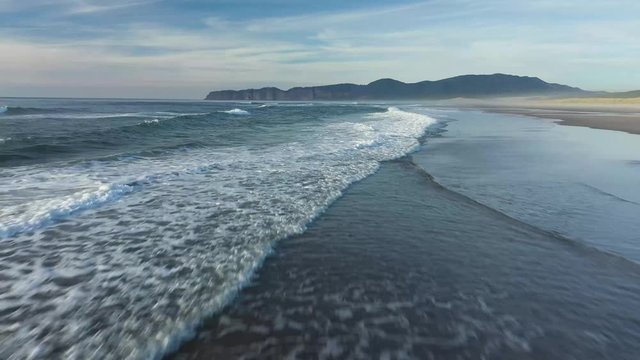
<point>615,114</point>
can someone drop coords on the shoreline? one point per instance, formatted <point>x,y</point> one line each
<point>595,115</point>
<point>320,293</point>
<point>614,121</point>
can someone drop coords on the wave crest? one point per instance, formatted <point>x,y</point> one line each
<point>38,214</point>
<point>236,112</point>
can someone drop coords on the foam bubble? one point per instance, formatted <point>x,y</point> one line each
<point>30,216</point>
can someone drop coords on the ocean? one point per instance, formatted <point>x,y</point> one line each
<point>139,229</point>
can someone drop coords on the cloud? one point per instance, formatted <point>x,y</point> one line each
<point>222,49</point>
<point>89,7</point>
<point>61,7</point>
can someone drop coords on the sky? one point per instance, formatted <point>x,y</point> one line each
<point>186,48</point>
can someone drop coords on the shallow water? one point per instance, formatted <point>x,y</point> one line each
<point>508,261</point>
<point>119,234</point>
<point>401,267</point>
<point>580,183</point>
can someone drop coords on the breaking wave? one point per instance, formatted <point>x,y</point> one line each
<point>236,112</point>
<point>189,233</point>
<point>37,214</point>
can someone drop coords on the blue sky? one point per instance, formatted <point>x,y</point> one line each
<point>184,48</point>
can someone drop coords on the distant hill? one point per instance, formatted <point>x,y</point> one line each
<point>468,86</point>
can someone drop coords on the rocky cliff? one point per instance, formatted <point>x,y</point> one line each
<point>471,86</point>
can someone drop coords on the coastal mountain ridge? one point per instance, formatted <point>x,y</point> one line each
<point>469,86</point>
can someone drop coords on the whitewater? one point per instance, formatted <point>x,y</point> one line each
<point>120,234</point>
<point>195,230</point>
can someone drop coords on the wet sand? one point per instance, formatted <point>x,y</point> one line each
<point>610,118</point>
<point>403,267</point>
<point>598,113</point>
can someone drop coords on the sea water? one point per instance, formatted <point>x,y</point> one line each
<point>326,230</point>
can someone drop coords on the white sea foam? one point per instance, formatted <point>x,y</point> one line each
<point>154,121</point>
<point>189,233</point>
<point>36,214</point>
<point>3,109</point>
<point>269,104</point>
<point>236,112</point>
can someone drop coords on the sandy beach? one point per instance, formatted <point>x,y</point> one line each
<point>619,114</point>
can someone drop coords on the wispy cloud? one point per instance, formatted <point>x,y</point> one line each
<point>89,7</point>
<point>69,6</point>
<point>136,48</point>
